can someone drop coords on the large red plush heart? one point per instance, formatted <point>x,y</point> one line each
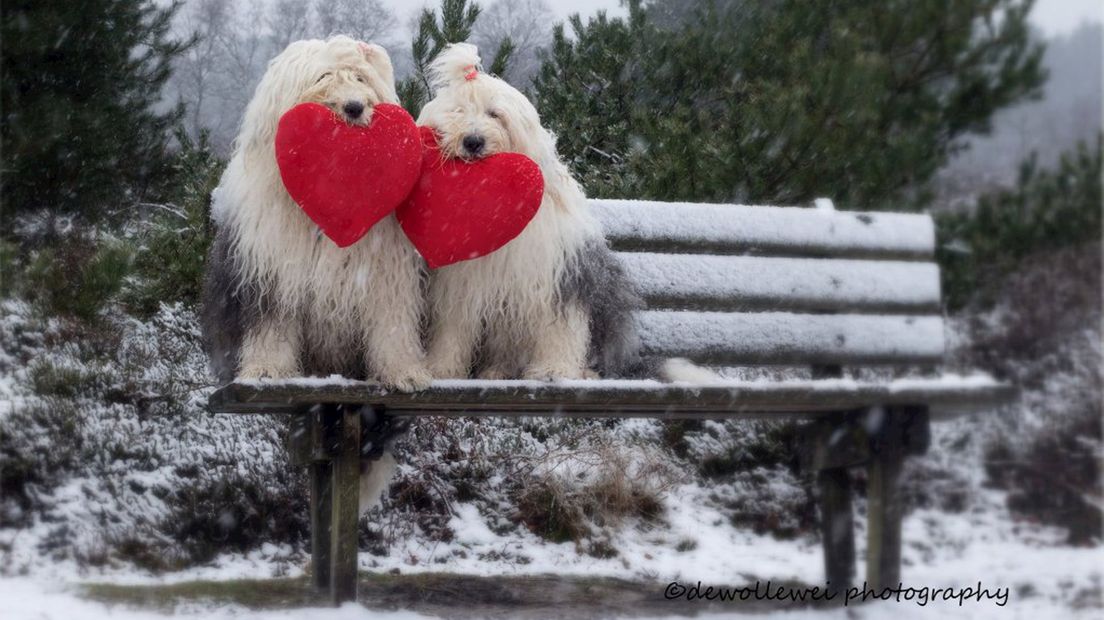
<point>347,177</point>
<point>461,210</point>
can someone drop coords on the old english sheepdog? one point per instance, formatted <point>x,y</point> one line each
<point>280,299</point>
<point>553,303</point>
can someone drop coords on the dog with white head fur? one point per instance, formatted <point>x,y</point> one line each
<point>282,300</point>
<point>553,303</point>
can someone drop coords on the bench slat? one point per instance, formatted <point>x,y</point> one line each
<point>710,282</point>
<point>733,339</point>
<point>623,398</point>
<point>644,226</point>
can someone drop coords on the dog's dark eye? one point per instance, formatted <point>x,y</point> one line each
<point>493,114</point>
<point>360,78</point>
<point>322,77</point>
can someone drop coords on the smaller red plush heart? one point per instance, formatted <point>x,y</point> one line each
<point>347,177</point>
<point>461,210</point>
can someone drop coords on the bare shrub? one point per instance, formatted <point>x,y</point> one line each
<point>1044,334</point>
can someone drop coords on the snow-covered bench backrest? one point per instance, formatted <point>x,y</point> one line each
<point>746,285</point>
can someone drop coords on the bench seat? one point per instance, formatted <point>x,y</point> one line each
<point>794,398</point>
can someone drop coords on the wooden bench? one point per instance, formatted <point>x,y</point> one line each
<point>820,291</point>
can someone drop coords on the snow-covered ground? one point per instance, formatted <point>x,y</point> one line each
<point>1027,568</point>
<point>145,455</point>
<point>1039,578</point>
<point>25,598</point>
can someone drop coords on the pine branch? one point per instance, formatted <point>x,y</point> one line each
<point>502,57</point>
<point>457,19</point>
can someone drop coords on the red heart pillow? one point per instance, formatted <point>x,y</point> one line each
<point>347,177</point>
<point>461,210</point>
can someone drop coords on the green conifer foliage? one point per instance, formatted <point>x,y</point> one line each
<point>81,83</point>
<point>783,101</point>
<point>454,26</point>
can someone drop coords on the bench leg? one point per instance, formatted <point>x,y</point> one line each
<point>883,555</point>
<point>321,477</point>
<point>335,499</point>
<point>345,508</point>
<point>837,527</point>
<point>878,438</point>
<point>830,447</point>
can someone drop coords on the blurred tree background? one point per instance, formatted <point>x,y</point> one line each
<point>1046,210</point>
<point>455,25</point>
<point>730,101</point>
<point>781,102</point>
<point>82,133</point>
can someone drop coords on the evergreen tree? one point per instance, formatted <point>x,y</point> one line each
<point>586,95</point>
<point>1047,210</point>
<point>457,19</point>
<point>786,100</point>
<point>80,84</point>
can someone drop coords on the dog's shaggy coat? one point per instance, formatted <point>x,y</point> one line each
<point>282,300</point>
<point>552,303</point>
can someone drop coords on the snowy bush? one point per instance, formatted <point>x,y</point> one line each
<point>1043,334</point>
<point>107,454</point>
<point>172,238</point>
<point>77,277</point>
<point>563,480</point>
<point>750,470</point>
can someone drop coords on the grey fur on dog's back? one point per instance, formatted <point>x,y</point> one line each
<point>594,279</point>
<point>232,305</point>
<point>226,304</point>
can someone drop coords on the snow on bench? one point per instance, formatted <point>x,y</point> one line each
<point>732,339</point>
<point>640,225</point>
<point>948,395</point>
<point>711,282</point>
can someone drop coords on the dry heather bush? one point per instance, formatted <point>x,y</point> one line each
<point>1051,297</point>
<point>576,493</point>
<point>564,480</point>
<point>107,448</point>
<point>1045,336</point>
<point>750,470</point>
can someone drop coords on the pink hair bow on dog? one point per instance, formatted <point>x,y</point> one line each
<point>473,71</point>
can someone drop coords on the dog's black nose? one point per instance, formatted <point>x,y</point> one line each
<point>474,144</point>
<point>354,109</point>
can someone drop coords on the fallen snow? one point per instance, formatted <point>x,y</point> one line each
<point>1043,578</point>
<point>983,542</point>
<point>314,382</point>
<point>780,228</point>
<point>31,599</point>
<point>946,381</point>
<point>773,337</point>
<point>804,282</point>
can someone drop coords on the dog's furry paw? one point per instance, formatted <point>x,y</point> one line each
<point>256,371</point>
<point>444,371</point>
<point>493,374</point>
<point>408,379</point>
<point>549,373</point>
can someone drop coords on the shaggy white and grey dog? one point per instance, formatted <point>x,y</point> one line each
<point>282,300</point>
<point>553,303</point>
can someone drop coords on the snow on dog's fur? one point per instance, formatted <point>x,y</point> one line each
<point>282,300</point>
<point>552,303</point>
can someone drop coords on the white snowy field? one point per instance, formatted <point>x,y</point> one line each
<point>1026,568</point>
